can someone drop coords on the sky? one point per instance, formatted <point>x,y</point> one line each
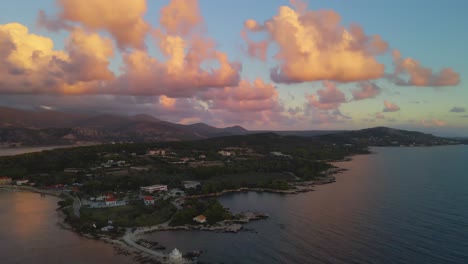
<point>277,64</point>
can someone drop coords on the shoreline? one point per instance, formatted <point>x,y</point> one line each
<point>128,245</point>
<point>32,189</point>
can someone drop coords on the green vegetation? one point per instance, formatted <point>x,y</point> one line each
<point>65,203</point>
<point>130,215</point>
<point>211,209</point>
<point>251,165</point>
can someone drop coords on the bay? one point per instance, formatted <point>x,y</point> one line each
<point>400,205</point>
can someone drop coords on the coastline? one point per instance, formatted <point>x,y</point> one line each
<point>128,244</point>
<point>31,189</point>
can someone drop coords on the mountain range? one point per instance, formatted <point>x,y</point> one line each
<point>46,127</point>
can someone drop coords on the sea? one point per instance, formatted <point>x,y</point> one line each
<point>397,205</point>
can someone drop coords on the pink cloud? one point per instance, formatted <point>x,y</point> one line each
<point>379,116</point>
<point>123,19</point>
<point>313,45</point>
<point>192,61</point>
<point>366,90</point>
<point>418,75</point>
<point>433,123</point>
<point>390,107</point>
<point>328,98</point>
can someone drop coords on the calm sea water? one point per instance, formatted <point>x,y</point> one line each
<point>29,234</point>
<point>402,205</point>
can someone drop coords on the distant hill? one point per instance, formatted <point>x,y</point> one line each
<point>36,128</point>
<point>31,128</point>
<point>384,136</point>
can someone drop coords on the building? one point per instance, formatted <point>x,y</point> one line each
<point>200,219</point>
<point>149,200</point>
<point>111,201</point>
<point>190,184</point>
<point>279,154</point>
<point>5,180</point>
<point>22,182</point>
<point>154,188</point>
<point>157,152</point>
<point>226,153</point>
<point>175,256</point>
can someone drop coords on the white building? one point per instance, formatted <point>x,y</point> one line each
<point>157,152</point>
<point>149,200</point>
<point>111,201</point>
<point>190,184</point>
<point>22,182</point>
<point>154,188</point>
<point>225,153</point>
<point>175,256</point>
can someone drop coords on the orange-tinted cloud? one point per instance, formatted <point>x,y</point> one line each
<point>89,55</point>
<point>390,107</point>
<point>246,97</point>
<point>366,90</point>
<point>123,19</point>
<point>192,61</point>
<point>179,17</point>
<point>433,123</point>
<point>29,63</point>
<point>313,45</point>
<point>326,99</point>
<point>415,74</point>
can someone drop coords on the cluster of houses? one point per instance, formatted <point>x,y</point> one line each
<point>10,181</point>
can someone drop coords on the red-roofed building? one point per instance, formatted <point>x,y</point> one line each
<point>149,200</point>
<point>111,201</point>
<point>200,219</point>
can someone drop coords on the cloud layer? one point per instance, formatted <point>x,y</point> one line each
<point>113,56</point>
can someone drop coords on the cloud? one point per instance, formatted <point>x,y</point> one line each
<point>414,74</point>
<point>379,116</point>
<point>366,90</point>
<point>458,109</point>
<point>254,104</point>
<point>123,19</point>
<point>179,17</point>
<point>390,107</point>
<point>313,45</point>
<point>246,97</point>
<point>433,123</point>
<point>192,61</point>
<point>326,99</point>
<point>29,63</point>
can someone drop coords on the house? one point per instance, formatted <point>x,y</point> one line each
<point>21,182</point>
<point>111,201</point>
<point>149,200</point>
<point>154,188</point>
<point>107,228</point>
<point>279,154</point>
<point>226,153</point>
<point>200,219</point>
<point>157,152</point>
<point>5,180</point>
<point>190,184</point>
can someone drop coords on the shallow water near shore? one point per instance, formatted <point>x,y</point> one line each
<point>30,233</point>
<point>401,205</point>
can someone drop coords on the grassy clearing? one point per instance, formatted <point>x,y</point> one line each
<point>131,215</point>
